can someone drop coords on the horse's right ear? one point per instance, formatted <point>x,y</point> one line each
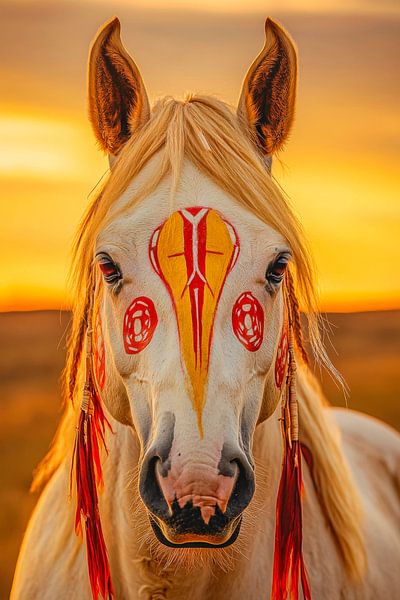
<point>118,102</point>
<point>267,102</point>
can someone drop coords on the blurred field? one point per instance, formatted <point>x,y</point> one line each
<point>32,350</point>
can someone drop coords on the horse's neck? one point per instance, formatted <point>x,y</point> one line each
<point>134,553</point>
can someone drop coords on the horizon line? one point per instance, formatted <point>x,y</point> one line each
<point>321,310</point>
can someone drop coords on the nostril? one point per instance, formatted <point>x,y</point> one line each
<point>243,490</point>
<point>150,489</point>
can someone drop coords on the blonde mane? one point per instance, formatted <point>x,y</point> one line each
<point>207,132</point>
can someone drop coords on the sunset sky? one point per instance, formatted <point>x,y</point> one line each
<point>340,168</point>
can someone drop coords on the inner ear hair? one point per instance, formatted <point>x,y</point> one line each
<point>118,102</point>
<point>268,96</point>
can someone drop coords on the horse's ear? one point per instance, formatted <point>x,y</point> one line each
<point>118,102</point>
<point>268,95</point>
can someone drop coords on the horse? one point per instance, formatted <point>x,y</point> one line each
<point>197,456</point>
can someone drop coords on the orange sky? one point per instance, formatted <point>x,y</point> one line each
<point>340,168</point>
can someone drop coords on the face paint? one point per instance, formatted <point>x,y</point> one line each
<point>248,321</point>
<point>282,356</point>
<point>193,252</point>
<point>140,322</point>
<point>99,353</point>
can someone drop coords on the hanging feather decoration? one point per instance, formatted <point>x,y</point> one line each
<point>289,564</point>
<point>89,478</point>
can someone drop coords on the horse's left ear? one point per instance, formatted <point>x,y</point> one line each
<point>268,96</point>
<point>118,102</point>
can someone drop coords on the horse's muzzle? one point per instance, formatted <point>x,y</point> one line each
<point>198,509</point>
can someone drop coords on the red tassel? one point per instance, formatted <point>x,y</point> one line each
<point>89,476</point>
<point>288,558</point>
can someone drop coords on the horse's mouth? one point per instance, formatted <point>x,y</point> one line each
<point>190,540</point>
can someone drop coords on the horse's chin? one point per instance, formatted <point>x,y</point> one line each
<point>191,540</point>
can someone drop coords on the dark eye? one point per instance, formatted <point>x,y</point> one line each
<point>110,270</point>
<point>277,270</point>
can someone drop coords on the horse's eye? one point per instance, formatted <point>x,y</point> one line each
<point>110,270</point>
<point>276,270</point>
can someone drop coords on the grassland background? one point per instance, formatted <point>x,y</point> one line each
<point>32,352</point>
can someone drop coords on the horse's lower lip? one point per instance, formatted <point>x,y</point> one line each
<point>194,544</point>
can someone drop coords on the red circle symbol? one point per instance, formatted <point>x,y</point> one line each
<point>248,321</point>
<point>282,357</point>
<point>140,322</point>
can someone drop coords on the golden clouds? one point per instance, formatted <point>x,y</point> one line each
<point>47,166</point>
<point>340,166</point>
<point>38,146</point>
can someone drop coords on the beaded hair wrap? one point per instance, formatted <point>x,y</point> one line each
<point>86,463</point>
<point>289,565</point>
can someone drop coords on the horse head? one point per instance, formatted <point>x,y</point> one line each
<point>190,340</point>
